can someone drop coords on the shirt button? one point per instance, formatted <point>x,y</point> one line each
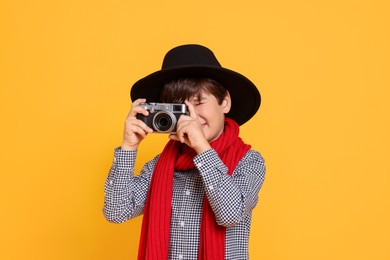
<point>181,223</point>
<point>188,192</point>
<point>180,256</point>
<point>114,159</point>
<point>111,182</point>
<point>211,187</point>
<point>199,164</point>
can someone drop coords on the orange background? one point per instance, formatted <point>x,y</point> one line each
<point>322,68</point>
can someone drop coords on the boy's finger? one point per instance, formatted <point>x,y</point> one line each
<point>191,109</point>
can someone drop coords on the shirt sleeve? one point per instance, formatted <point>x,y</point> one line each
<point>125,194</point>
<point>233,197</point>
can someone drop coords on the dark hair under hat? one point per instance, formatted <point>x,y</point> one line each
<point>194,60</point>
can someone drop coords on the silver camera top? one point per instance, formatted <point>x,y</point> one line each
<point>173,107</point>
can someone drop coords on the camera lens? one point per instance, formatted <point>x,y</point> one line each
<point>164,121</point>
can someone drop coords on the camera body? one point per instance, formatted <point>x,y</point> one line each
<point>163,117</point>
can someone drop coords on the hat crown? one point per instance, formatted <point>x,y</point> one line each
<point>190,55</point>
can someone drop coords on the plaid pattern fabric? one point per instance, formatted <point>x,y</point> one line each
<point>232,199</point>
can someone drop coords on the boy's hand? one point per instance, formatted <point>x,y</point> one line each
<point>189,131</point>
<point>135,130</point>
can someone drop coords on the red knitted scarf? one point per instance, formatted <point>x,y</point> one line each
<point>157,212</point>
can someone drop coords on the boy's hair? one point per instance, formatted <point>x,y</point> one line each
<point>179,90</point>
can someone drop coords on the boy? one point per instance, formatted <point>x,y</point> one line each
<point>197,196</point>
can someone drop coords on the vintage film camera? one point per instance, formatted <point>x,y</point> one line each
<point>163,117</point>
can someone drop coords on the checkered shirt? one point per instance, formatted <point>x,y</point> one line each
<point>232,199</point>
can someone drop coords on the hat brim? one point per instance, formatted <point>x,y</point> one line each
<point>245,96</point>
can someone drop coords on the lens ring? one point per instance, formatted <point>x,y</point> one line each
<point>164,121</point>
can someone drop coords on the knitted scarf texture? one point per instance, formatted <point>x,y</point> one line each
<point>156,222</point>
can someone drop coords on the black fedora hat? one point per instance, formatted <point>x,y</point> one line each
<point>194,60</point>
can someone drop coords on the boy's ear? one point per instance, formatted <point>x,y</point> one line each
<point>226,103</point>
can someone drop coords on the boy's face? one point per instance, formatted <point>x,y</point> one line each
<point>211,114</point>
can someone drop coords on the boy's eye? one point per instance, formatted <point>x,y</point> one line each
<point>195,102</point>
